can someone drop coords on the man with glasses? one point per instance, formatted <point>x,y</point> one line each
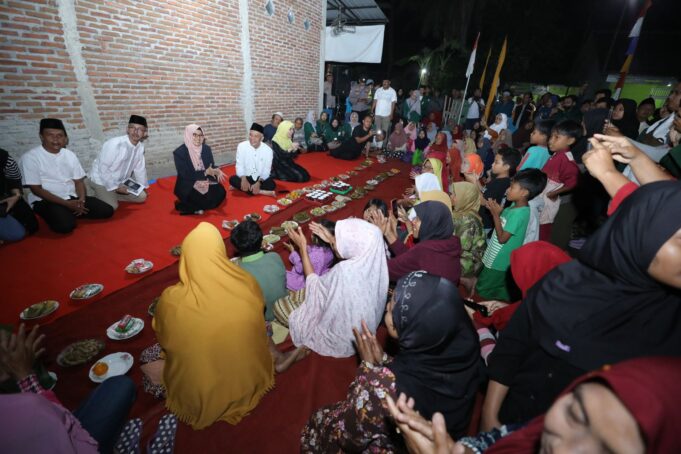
<point>119,172</point>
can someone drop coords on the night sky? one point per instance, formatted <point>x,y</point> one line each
<point>550,41</point>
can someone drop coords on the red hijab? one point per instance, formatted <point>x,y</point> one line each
<point>650,388</point>
<point>529,263</point>
<point>440,151</point>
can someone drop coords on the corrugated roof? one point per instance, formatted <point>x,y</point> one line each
<point>355,11</point>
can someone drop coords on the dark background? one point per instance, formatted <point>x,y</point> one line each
<point>550,41</point>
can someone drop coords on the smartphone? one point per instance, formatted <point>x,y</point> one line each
<point>476,307</point>
<point>608,120</point>
<point>394,207</point>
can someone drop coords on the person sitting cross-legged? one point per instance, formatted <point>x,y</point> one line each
<point>253,165</point>
<point>56,180</point>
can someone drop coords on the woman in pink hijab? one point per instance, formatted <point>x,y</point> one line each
<point>198,186</point>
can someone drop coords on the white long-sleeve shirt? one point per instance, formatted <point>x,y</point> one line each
<point>252,162</point>
<point>118,161</point>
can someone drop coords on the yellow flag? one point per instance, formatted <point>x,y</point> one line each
<point>484,71</point>
<point>495,81</point>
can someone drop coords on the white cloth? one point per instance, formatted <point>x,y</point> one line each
<point>498,127</point>
<point>660,129</point>
<point>118,161</point>
<point>365,45</point>
<point>54,172</point>
<point>550,207</point>
<point>427,182</point>
<point>353,290</point>
<point>384,100</point>
<point>473,108</point>
<point>643,126</point>
<point>254,163</point>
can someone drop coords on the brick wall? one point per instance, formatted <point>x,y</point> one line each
<point>93,63</point>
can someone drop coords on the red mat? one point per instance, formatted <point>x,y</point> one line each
<point>49,266</point>
<point>275,425</point>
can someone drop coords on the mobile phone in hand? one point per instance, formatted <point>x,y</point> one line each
<point>394,207</point>
<point>476,307</point>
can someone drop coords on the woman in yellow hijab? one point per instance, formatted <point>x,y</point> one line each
<point>284,150</point>
<point>436,165</point>
<point>211,328</point>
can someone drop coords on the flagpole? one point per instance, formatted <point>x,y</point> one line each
<point>463,100</point>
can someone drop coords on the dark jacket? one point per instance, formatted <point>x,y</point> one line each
<point>439,257</point>
<point>186,175</point>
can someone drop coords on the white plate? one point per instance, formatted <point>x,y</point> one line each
<point>137,327</point>
<point>89,290</point>
<point>23,316</point>
<point>119,363</point>
<point>139,266</point>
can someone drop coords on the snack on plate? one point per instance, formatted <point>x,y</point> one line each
<point>139,266</point>
<point>335,179</point>
<point>176,250</point>
<point>125,324</point>
<point>356,195</point>
<point>100,369</point>
<point>301,217</point>
<point>318,211</point>
<point>369,187</point>
<point>338,204</point>
<point>267,247</point>
<point>270,209</point>
<point>295,194</point>
<point>255,217</point>
<point>358,168</point>
<point>284,201</point>
<point>394,171</point>
<point>271,238</point>
<point>38,310</point>
<point>343,198</point>
<point>343,176</point>
<point>80,352</point>
<point>289,225</point>
<point>372,182</point>
<point>353,173</point>
<point>229,225</point>
<point>152,307</point>
<point>86,291</point>
<point>328,208</point>
<point>279,231</point>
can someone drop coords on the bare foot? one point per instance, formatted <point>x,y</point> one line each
<point>269,193</point>
<point>285,360</point>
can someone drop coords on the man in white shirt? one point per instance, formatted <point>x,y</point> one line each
<point>383,107</point>
<point>121,159</point>
<point>253,165</point>
<point>476,106</point>
<point>56,180</point>
<point>659,132</point>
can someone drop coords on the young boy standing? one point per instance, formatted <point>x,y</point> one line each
<point>504,166</point>
<point>537,155</point>
<point>510,226</point>
<point>563,174</point>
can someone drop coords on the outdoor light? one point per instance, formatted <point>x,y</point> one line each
<point>669,84</point>
<point>424,70</point>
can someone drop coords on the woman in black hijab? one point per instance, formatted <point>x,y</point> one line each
<point>625,119</point>
<point>620,299</point>
<point>438,364</point>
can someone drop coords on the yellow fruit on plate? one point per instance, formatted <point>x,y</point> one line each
<point>100,369</point>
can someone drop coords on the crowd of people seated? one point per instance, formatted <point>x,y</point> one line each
<point>534,261</point>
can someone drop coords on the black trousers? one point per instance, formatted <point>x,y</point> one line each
<point>265,185</point>
<point>62,220</point>
<point>197,201</point>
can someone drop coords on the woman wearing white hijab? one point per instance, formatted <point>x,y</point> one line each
<point>500,123</point>
<point>354,290</point>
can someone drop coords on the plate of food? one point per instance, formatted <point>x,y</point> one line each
<point>176,251</point>
<point>80,352</point>
<point>394,171</point>
<point>152,307</point>
<point>139,266</point>
<point>229,225</point>
<point>255,217</point>
<point>86,291</point>
<point>284,201</point>
<point>369,187</point>
<point>111,366</point>
<point>295,194</point>
<point>289,225</point>
<point>39,310</point>
<point>271,238</point>
<point>265,246</point>
<point>353,173</point>
<point>356,195</point>
<point>343,198</point>
<point>280,231</point>
<point>317,211</point>
<point>335,178</point>
<point>358,168</point>
<point>270,209</point>
<point>328,208</point>
<point>344,176</point>
<point>372,182</point>
<point>125,328</point>
<point>338,204</point>
<point>301,217</point>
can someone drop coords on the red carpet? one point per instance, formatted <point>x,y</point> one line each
<point>49,266</point>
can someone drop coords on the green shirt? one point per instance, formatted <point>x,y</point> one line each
<point>514,221</point>
<point>269,271</point>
